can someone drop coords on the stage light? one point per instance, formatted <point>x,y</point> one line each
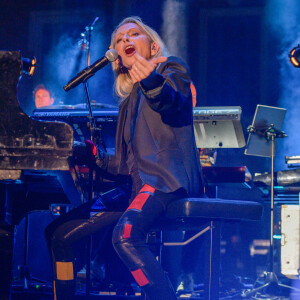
<point>294,56</point>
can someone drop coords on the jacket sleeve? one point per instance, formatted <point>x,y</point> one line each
<point>167,87</point>
<point>107,167</point>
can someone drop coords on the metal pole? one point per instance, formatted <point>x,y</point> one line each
<point>272,204</point>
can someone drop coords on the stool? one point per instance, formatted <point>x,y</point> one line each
<point>206,215</point>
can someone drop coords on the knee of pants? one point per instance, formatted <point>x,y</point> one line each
<point>127,234</point>
<point>121,237</point>
<point>117,236</point>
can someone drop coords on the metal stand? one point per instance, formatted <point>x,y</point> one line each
<point>90,191</point>
<point>92,127</point>
<point>270,133</point>
<point>96,139</point>
<point>270,276</point>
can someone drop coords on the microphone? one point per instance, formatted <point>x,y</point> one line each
<point>110,56</point>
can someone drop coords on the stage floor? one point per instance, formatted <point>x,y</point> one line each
<point>45,293</point>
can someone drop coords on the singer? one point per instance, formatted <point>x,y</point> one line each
<point>154,144</point>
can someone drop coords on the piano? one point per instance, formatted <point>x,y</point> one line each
<point>25,144</point>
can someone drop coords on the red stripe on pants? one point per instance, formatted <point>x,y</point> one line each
<point>147,188</point>
<point>141,198</point>
<point>127,231</point>
<point>140,277</point>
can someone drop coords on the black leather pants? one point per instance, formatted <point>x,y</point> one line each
<point>62,233</point>
<point>129,240</point>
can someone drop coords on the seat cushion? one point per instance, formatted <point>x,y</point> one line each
<point>211,208</point>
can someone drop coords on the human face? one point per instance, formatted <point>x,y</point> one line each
<point>131,39</point>
<point>42,98</point>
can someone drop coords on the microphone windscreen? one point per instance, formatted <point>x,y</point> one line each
<point>111,55</point>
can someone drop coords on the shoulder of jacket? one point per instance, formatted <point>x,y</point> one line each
<point>172,61</point>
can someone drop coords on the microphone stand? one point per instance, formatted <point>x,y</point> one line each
<point>92,124</point>
<point>91,118</point>
<point>90,191</point>
<point>89,29</point>
<point>92,128</point>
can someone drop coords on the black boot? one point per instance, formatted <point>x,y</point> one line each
<point>64,289</point>
<point>160,291</point>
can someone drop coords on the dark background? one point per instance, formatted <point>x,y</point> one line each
<point>237,51</point>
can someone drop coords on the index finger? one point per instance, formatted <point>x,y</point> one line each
<point>158,60</point>
<point>141,59</point>
<point>153,61</point>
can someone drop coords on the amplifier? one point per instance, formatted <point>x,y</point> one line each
<point>290,240</point>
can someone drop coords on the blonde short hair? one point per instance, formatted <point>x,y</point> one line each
<point>123,82</point>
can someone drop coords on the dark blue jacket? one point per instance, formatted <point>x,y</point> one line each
<point>162,133</point>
